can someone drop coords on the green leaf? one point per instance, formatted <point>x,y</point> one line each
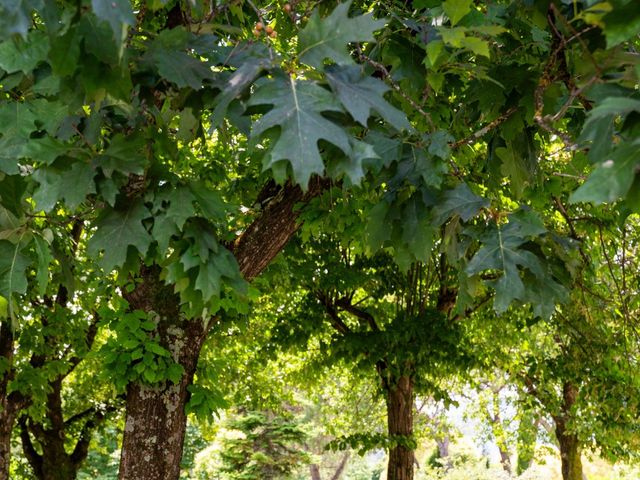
<point>13,267</point>
<point>622,23</point>
<point>12,190</point>
<point>361,94</point>
<point>124,155</point>
<point>501,250</point>
<point>168,52</point>
<point>45,258</point>
<point>353,166</point>
<point>613,178</point>
<point>4,308</point>
<point>99,39</point>
<point>65,52</point>
<point>255,59</point>
<point>23,55</point>
<point>45,149</point>
<point>210,202</point>
<point>439,144</point>
<point>16,17</point>
<point>181,68</point>
<point>297,110</point>
<point>117,230</point>
<point>377,230</point>
<point>71,185</point>
<point>176,214</point>
<point>460,201</point>
<point>174,372</point>
<point>456,9</point>
<point>18,121</point>
<point>613,106</point>
<point>477,46</point>
<point>117,13</point>
<point>329,37</point>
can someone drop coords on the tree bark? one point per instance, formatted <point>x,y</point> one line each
<point>314,469</point>
<point>569,453</point>
<point>505,460</point>
<point>400,423</point>
<point>341,466</point>
<point>156,420</point>
<point>10,403</point>
<point>568,442</point>
<point>443,446</point>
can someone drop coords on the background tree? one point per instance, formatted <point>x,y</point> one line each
<point>162,127</point>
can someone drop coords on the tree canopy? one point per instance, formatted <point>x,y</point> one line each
<point>380,176</point>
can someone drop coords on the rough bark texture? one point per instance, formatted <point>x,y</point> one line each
<point>156,420</point>
<point>269,233</point>
<point>400,423</point>
<point>10,404</point>
<point>568,442</point>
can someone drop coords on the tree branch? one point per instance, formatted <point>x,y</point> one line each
<point>346,305</point>
<point>257,246</point>
<point>34,459</point>
<point>336,321</point>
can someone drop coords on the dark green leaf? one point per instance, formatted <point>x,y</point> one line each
<point>297,110</point>
<point>117,13</point>
<point>23,55</point>
<point>117,230</point>
<point>460,201</point>
<point>361,94</point>
<point>329,37</point>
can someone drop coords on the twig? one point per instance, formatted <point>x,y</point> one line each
<point>387,76</point>
<point>484,130</point>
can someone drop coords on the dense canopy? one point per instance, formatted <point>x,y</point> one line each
<point>427,197</point>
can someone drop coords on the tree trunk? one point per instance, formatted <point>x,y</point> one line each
<point>341,466</point>
<point>443,446</point>
<point>7,419</point>
<point>156,420</point>
<point>10,403</point>
<point>569,454</point>
<point>400,423</point>
<point>54,463</point>
<point>314,469</point>
<point>505,460</point>
<point>568,442</point>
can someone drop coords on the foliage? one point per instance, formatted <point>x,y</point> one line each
<point>266,446</point>
<point>469,153</point>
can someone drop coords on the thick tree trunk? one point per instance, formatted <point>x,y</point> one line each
<point>400,423</point>
<point>569,454</point>
<point>156,419</point>
<point>568,442</point>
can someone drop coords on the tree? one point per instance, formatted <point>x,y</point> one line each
<point>152,123</point>
<point>269,448</point>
